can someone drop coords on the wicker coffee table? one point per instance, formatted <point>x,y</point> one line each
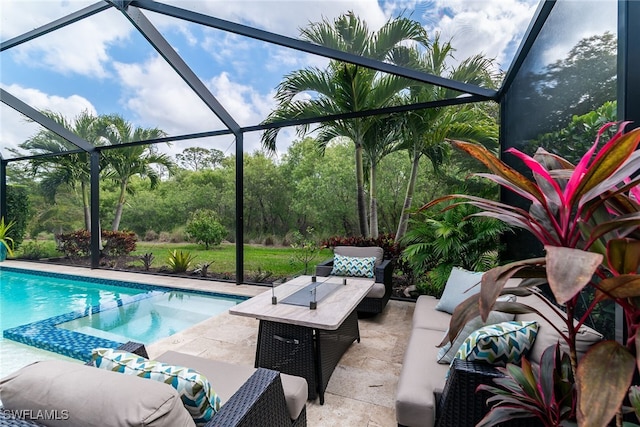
<point>297,340</point>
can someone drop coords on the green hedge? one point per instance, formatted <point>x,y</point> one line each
<point>18,210</point>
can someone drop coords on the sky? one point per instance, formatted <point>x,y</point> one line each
<point>103,65</point>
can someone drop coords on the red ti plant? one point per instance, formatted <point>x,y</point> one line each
<point>587,216</point>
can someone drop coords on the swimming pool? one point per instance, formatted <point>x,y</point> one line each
<point>71,315</point>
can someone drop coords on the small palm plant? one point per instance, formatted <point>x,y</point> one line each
<point>6,242</point>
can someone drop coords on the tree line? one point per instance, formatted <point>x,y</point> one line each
<point>303,189</point>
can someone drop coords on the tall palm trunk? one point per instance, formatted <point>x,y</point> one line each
<point>116,220</point>
<point>373,197</point>
<point>408,198</point>
<point>362,204</point>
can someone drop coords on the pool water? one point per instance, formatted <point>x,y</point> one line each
<point>150,319</point>
<point>27,298</point>
<point>70,315</point>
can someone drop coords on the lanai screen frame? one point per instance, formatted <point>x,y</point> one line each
<point>628,88</point>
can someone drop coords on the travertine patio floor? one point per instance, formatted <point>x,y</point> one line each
<point>361,391</point>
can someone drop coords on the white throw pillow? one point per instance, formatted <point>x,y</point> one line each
<point>459,287</point>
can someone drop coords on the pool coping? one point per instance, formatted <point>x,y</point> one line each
<point>45,334</point>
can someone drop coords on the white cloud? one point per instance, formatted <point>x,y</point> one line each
<point>486,27</point>
<point>79,48</point>
<point>18,17</point>
<point>156,96</point>
<point>285,17</point>
<point>16,129</point>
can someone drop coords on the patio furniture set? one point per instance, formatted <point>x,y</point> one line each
<point>305,327</point>
<point>298,348</point>
<point>446,396</point>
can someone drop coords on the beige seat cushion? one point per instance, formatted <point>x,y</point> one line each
<point>425,315</point>
<point>420,378</point>
<point>355,251</point>
<point>227,378</point>
<point>377,291</point>
<point>547,336</point>
<point>92,397</point>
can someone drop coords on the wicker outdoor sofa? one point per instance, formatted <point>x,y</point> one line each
<point>259,400</point>
<point>379,295</point>
<point>434,394</point>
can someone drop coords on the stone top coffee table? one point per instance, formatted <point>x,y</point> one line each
<point>298,340</point>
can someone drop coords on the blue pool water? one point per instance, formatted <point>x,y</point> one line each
<point>70,315</point>
<point>27,298</point>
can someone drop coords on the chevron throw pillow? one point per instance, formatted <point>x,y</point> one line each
<point>353,266</point>
<point>195,390</point>
<point>499,344</point>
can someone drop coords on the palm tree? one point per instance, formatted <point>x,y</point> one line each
<point>126,162</point>
<point>426,131</point>
<point>343,88</point>
<point>69,169</point>
<point>381,138</point>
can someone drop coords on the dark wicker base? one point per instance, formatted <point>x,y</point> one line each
<point>306,352</point>
<point>461,405</point>
<point>372,306</point>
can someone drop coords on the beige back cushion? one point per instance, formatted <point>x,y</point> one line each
<point>547,336</point>
<point>77,395</point>
<point>227,378</point>
<point>355,251</point>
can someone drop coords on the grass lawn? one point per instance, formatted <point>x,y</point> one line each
<point>258,259</point>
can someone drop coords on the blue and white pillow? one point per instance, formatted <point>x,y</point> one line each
<point>448,351</point>
<point>197,395</point>
<point>353,266</point>
<point>499,344</point>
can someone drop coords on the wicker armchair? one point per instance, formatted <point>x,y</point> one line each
<point>461,405</point>
<point>383,271</point>
<point>260,401</point>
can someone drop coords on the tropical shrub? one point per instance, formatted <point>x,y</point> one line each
<point>147,260</point>
<point>18,212</point>
<point>577,137</point>
<point>179,261</point>
<point>385,241</point>
<point>78,243</point>
<point>588,218</point>
<point>5,240</point>
<point>118,243</point>
<point>34,250</point>
<point>203,269</point>
<point>74,244</point>
<point>436,243</point>
<point>549,391</point>
<point>204,227</point>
